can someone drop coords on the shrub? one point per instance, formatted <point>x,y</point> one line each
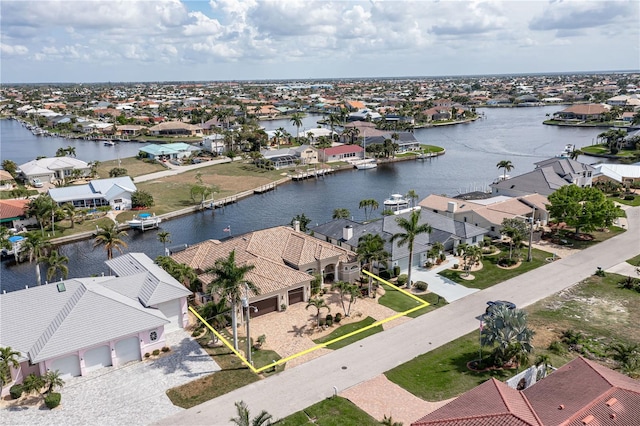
<point>557,347</point>
<point>283,307</point>
<point>428,264</point>
<point>156,352</point>
<point>456,266</point>
<point>338,318</point>
<point>52,400</point>
<point>329,322</point>
<point>442,257</point>
<point>629,197</point>
<point>147,355</point>
<point>396,271</point>
<point>329,317</point>
<point>262,339</point>
<point>505,261</point>
<point>166,349</point>
<point>16,391</point>
<point>421,285</point>
<point>402,279</point>
<point>385,275</point>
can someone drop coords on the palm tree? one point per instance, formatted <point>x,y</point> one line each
<point>368,205</point>
<point>413,196</point>
<point>8,359</point>
<point>346,290</point>
<point>164,237</point>
<point>388,421</point>
<point>109,236</point>
<point>318,303</point>
<point>216,314</point>
<point>507,328</point>
<point>296,120</point>
<point>70,211</point>
<point>472,255</point>
<point>52,380</point>
<point>507,166</point>
<point>36,247</point>
<point>412,228</point>
<point>229,282</point>
<point>341,214</point>
<point>57,263</point>
<point>42,208</point>
<point>627,356</point>
<point>575,153</point>
<point>243,418</point>
<point>516,230</point>
<point>71,151</point>
<point>371,250</point>
<point>543,360</point>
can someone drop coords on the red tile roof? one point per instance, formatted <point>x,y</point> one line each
<point>12,208</point>
<point>342,149</point>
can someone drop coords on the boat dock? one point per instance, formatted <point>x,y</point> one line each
<point>315,173</point>
<point>265,188</point>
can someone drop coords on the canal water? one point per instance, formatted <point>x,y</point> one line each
<point>473,150</point>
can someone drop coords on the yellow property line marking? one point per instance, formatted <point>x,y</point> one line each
<point>321,345</point>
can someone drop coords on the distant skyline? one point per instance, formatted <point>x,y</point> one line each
<point>170,40</point>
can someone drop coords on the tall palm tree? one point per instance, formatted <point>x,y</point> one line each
<point>412,228</point>
<point>71,151</point>
<point>368,205</point>
<point>110,237</point>
<point>43,208</point>
<point>296,120</point>
<point>216,314</point>
<point>371,250</point>
<point>507,166</point>
<point>36,247</point>
<point>412,195</point>
<point>70,212</point>
<point>229,282</point>
<point>318,303</point>
<point>8,359</point>
<point>346,290</point>
<point>243,418</point>
<point>57,264</point>
<point>164,237</point>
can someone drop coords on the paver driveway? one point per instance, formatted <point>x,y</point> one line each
<point>133,394</point>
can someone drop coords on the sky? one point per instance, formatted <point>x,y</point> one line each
<point>171,40</point>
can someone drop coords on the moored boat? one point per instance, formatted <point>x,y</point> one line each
<point>367,163</point>
<point>144,221</point>
<point>396,202</point>
<point>567,151</point>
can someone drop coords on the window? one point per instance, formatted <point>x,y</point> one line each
<point>474,239</point>
<point>153,336</point>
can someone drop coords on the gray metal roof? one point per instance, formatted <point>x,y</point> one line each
<point>98,188</point>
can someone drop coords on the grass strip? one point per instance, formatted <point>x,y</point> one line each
<point>349,328</point>
<point>334,411</point>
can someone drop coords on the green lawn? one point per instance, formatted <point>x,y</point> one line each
<point>491,274</point>
<point>400,302</point>
<point>335,411</point>
<point>634,260</point>
<point>598,237</point>
<point>349,328</point>
<point>634,203</point>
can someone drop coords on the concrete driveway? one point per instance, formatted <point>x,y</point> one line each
<point>444,287</point>
<point>131,395</point>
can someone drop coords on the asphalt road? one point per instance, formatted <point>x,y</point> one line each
<point>302,386</point>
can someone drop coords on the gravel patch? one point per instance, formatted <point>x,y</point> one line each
<point>131,395</point>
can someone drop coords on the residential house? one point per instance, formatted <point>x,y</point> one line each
<point>548,176</point>
<point>406,141</point>
<point>284,261</point>
<point>582,112</point>
<point>437,113</point>
<point>364,115</point>
<point>341,153</point>
<point>168,151</point>
<point>6,180</point>
<point>114,192</point>
<point>83,324</point>
<point>13,214</point>
<point>129,130</point>
<point>214,143</point>
<point>620,173</point>
<point>175,128</point>
<point>489,213</point>
<point>284,157</point>
<point>52,169</point>
<point>579,393</point>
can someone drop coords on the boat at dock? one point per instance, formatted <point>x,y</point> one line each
<point>367,163</point>
<point>144,221</point>
<point>109,143</point>
<point>396,202</point>
<point>567,152</point>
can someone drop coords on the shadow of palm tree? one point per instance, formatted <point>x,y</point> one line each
<point>182,357</point>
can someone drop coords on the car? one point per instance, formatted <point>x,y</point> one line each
<point>494,304</point>
<point>37,183</point>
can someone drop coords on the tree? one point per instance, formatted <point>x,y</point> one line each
<point>36,247</point>
<point>70,211</point>
<point>614,139</point>
<point>507,330</point>
<point>8,359</point>
<point>57,264</point>
<point>585,209</point>
<point>110,237</point>
<point>371,250</point>
<point>369,205</point>
<point>412,195</point>
<point>71,151</point>
<point>318,303</point>
<point>296,120</point>
<point>341,214</point>
<point>303,220</point>
<point>32,383</point>
<point>44,209</point>
<point>627,356</point>
<point>94,168</point>
<point>141,199</point>
<point>229,282</point>
<point>52,380</point>
<point>507,166</point>
<point>471,256</point>
<point>61,152</point>
<point>117,172</point>
<point>412,228</point>
<point>388,421</point>
<point>347,291</point>
<point>516,230</point>
<point>243,418</point>
<point>164,237</point>
<point>216,314</point>
<point>10,167</point>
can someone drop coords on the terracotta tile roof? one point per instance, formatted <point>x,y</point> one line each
<point>587,109</point>
<point>342,149</point>
<point>12,208</point>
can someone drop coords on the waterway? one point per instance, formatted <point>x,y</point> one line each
<point>473,150</point>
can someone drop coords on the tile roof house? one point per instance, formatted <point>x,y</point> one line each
<point>114,192</point>
<point>13,213</point>
<point>50,169</point>
<point>341,153</point>
<point>173,128</point>
<point>6,180</point>
<point>582,112</point>
<point>548,176</point>
<point>580,393</point>
<point>83,324</point>
<point>284,259</point>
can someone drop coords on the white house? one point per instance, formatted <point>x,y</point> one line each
<point>51,169</point>
<point>114,192</point>
<point>84,324</point>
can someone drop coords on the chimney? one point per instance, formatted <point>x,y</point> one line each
<point>452,206</point>
<point>296,225</point>
<point>347,232</point>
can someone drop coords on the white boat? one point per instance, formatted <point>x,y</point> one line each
<point>109,143</point>
<point>501,178</point>
<point>567,151</point>
<point>367,163</point>
<point>144,221</point>
<point>396,202</point>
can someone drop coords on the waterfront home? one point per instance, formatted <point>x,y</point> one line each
<point>446,230</point>
<point>285,157</point>
<point>341,153</point>
<point>214,143</point>
<point>129,130</point>
<point>548,176</point>
<point>582,392</point>
<point>406,141</point>
<point>83,324</point>
<point>52,169</point>
<point>624,174</point>
<point>168,151</point>
<point>113,192</point>
<point>13,214</point>
<point>284,261</point>
<point>175,128</point>
<point>6,180</point>
<point>582,112</point>
<point>489,213</point>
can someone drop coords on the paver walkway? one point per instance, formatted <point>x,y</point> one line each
<point>133,394</point>
<point>444,287</point>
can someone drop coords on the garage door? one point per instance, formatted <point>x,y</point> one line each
<point>171,310</point>
<point>265,306</point>
<point>97,358</point>
<point>296,295</point>
<point>68,366</point>
<point>127,350</point>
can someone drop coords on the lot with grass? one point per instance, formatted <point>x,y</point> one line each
<point>134,166</point>
<point>350,328</point>
<point>335,411</point>
<point>568,237</point>
<point>400,302</point>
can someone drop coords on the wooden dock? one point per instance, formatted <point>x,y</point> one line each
<point>265,188</point>
<point>315,173</point>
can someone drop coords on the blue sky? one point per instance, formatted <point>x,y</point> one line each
<point>160,40</point>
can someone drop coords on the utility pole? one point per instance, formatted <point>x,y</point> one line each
<point>529,255</point>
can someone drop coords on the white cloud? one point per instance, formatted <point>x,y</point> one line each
<point>17,50</point>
